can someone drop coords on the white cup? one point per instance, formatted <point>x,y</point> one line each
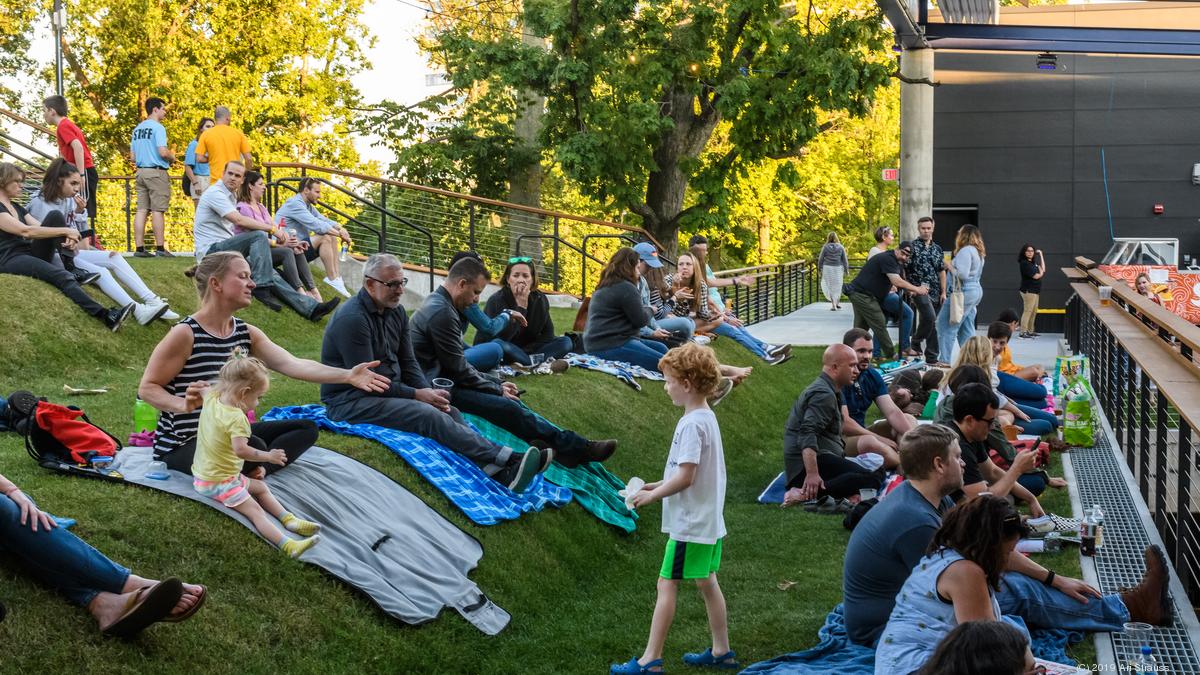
<point>867,493</point>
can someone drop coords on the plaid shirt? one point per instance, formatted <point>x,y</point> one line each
<point>925,264</point>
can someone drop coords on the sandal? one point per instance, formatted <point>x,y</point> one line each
<point>632,667</point>
<point>146,606</point>
<point>187,614</point>
<point>727,661</point>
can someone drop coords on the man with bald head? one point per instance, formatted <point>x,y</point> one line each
<point>813,449</point>
<point>223,143</point>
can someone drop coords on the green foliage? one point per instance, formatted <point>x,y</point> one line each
<point>15,20</point>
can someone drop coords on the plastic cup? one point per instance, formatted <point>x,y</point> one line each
<point>101,462</point>
<point>867,493</point>
<point>1105,295</point>
<point>442,383</point>
<point>157,471</point>
<point>1138,632</point>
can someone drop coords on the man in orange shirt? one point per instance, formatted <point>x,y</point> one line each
<point>222,143</point>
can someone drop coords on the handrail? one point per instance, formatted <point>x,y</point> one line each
<point>26,121</point>
<point>466,197</point>
<point>769,269</point>
<point>1165,322</point>
<point>25,145</point>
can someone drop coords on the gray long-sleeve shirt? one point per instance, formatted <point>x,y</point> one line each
<point>615,315</point>
<point>815,422</point>
<point>304,217</point>
<point>359,333</point>
<point>833,255</point>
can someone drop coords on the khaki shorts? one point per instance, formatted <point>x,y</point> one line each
<point>153,190</point>
<point>199,185</point>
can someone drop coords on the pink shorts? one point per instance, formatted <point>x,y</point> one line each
<point>230,492</point>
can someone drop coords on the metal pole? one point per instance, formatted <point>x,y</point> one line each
<point>471,226</point>
<point>128,221</point>
<point>58,19</point>
<point>555,253</point>
<point>383,219</point>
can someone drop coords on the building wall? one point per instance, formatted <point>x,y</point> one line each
<point>1026,146</point>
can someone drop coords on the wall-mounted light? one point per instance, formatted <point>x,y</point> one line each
<point>1047,61</point>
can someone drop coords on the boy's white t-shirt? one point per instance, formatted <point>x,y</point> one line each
<point>696,514</point>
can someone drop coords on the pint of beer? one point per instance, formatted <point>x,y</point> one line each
<point>1105,295</point>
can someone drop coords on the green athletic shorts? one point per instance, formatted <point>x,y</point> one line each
<point>687,560</point>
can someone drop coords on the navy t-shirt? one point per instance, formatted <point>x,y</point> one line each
<point>860,394</point>
<point>884,548</point>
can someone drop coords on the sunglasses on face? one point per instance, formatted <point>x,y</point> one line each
<point>392,285</point>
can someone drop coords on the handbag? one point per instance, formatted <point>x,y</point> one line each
<point>957,303</point>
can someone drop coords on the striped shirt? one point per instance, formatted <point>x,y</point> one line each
<point>209,353</point>
<point>684,307</point>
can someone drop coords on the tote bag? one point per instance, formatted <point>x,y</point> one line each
<point>957,308</point>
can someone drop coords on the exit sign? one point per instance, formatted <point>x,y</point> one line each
<point>891,174</point>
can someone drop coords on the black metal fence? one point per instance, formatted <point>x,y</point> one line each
<point>777,290</point>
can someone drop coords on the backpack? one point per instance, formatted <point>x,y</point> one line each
<point>57,433</point>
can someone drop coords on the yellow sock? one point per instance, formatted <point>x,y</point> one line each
<point>299,526</point>
<point>294,547</point>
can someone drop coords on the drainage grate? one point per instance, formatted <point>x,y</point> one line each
<point>1120,563</point>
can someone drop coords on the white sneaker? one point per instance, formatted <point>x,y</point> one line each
<point>701,339</point>
<point>145,313</point>
<point>167,314</point>
<point>337,285</point>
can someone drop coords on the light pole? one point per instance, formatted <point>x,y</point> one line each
<point>58,19</point>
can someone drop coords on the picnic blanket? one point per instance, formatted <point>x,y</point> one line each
<point>625,372</point>
<point>835,653</point>
<point>482,499</point>
<point>375,535</point>
<point>592,485</point>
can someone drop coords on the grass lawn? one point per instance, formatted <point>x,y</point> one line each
<point>580,593</point>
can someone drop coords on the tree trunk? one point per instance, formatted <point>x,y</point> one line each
<point>525,180</point>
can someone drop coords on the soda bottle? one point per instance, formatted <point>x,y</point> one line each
<point>1146,664</point>
<point>1098,517</point>
<point>1087,534</point>
<point>145,416</point>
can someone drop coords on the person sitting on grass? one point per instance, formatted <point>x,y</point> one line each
<point>436,331</point>
<point>665,325</point>
<point>122,603</point>
<point>288,257</point>
<point>814,452</point>
<point>892,537</point>
<point>1009,371</point>
<point>992,647</point>
<point>866,390</point>
<point>519,295</point>
<point>975,407</point>
<point>486,353</point>
<point>977,351</point>
<point>616,316</point>
<point>224,443</point>
<point>692,491</point>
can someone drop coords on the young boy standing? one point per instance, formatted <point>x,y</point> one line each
<point>73,147</point>
<point>693,495</point>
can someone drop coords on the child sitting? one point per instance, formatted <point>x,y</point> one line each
<point>1032,373</point>
<point>223,445</point>
<point>693,494</point>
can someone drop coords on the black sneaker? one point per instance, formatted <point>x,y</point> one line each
<point>776,350</point>
<point>723,389</point>
<point>113,318</point>
<point>163,253</point>
<point>142,253</point>
<point>264,296</point>
<point>778,359</point>
<point>519,474</point>
<point>324,308</point>
<point>85,278</point>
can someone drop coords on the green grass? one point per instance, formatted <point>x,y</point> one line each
<point>580,592</point>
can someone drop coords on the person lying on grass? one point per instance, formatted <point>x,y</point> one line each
<point>124,604</point>
<point>693,495</point>
<point>223,445</point>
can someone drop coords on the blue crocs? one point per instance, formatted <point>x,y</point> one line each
<point>727,661</point>
<point>632,667</point>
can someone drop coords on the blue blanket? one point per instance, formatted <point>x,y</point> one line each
<point>835,653</point>
<point>482,499</point>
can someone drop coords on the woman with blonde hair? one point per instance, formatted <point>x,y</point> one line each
<point>833,265</point>
<point>977,351</point>
<point>965,272</point>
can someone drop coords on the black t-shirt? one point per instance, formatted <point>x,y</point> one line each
<point>13,243</point>
<point>973,454</point>
<point>1028,283</point>
<point>873,278</point>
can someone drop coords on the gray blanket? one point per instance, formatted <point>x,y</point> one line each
<point>375,536</point>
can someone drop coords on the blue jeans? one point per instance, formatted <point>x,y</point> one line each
<point>1043,607</point>
<point>256,247</point>
<point>894,309</point>
<point>639,352</point>
<point>555,348</point>
<point>681,326</point>
<point>1040,422</point>
<point>58,558</point>
<point>484,357</point>
<point>1034,482</point>
<point>517,419</point>
<point>1022,392</point>
<point>743,338</point>
<point>949,335</point>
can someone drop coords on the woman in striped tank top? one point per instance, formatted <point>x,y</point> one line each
<point>192,353</point>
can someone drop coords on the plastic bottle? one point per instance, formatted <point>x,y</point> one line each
<point>1087,534</point>
<point>145,416</point>
<point>344,249</point>
<point>1146,664</point>
<point>1098,517</point>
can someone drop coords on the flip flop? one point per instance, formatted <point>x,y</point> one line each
<point>144,607</point>
<point>187,614</point>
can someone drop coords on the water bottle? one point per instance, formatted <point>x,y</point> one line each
<point>1098,517</point>
<point>1146,664</point>
<point>145,416</point>
<point>344,249</point>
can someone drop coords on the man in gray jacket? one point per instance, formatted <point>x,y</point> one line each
<point>437,337</point>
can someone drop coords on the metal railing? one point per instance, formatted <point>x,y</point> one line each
<point>776,290</point>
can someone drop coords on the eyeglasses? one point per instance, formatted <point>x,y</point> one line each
<point>392,285</point>
<point>989,420</point>
<point>519,259</point>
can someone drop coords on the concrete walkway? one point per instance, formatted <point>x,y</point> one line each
<point>816,326</point>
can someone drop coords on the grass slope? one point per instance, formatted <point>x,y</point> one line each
<point>580,593</point>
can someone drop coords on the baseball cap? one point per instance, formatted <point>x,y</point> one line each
<point>905,245</point>
<point>648,254</point>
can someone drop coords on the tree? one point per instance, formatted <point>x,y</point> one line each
<point>16,20</point>
<point>635,91</point>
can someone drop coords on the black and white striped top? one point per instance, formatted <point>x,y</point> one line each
<point>209,353</point>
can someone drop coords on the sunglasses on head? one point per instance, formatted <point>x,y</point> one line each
<point>519,259</point>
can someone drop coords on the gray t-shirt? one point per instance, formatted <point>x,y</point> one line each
<point>210,225</point>
<point>884,547</point>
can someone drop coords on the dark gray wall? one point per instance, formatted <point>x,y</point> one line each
<point>1025,146</point>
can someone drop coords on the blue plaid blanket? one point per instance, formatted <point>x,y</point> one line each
<point>625,372</point>
<point>482,499</point>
